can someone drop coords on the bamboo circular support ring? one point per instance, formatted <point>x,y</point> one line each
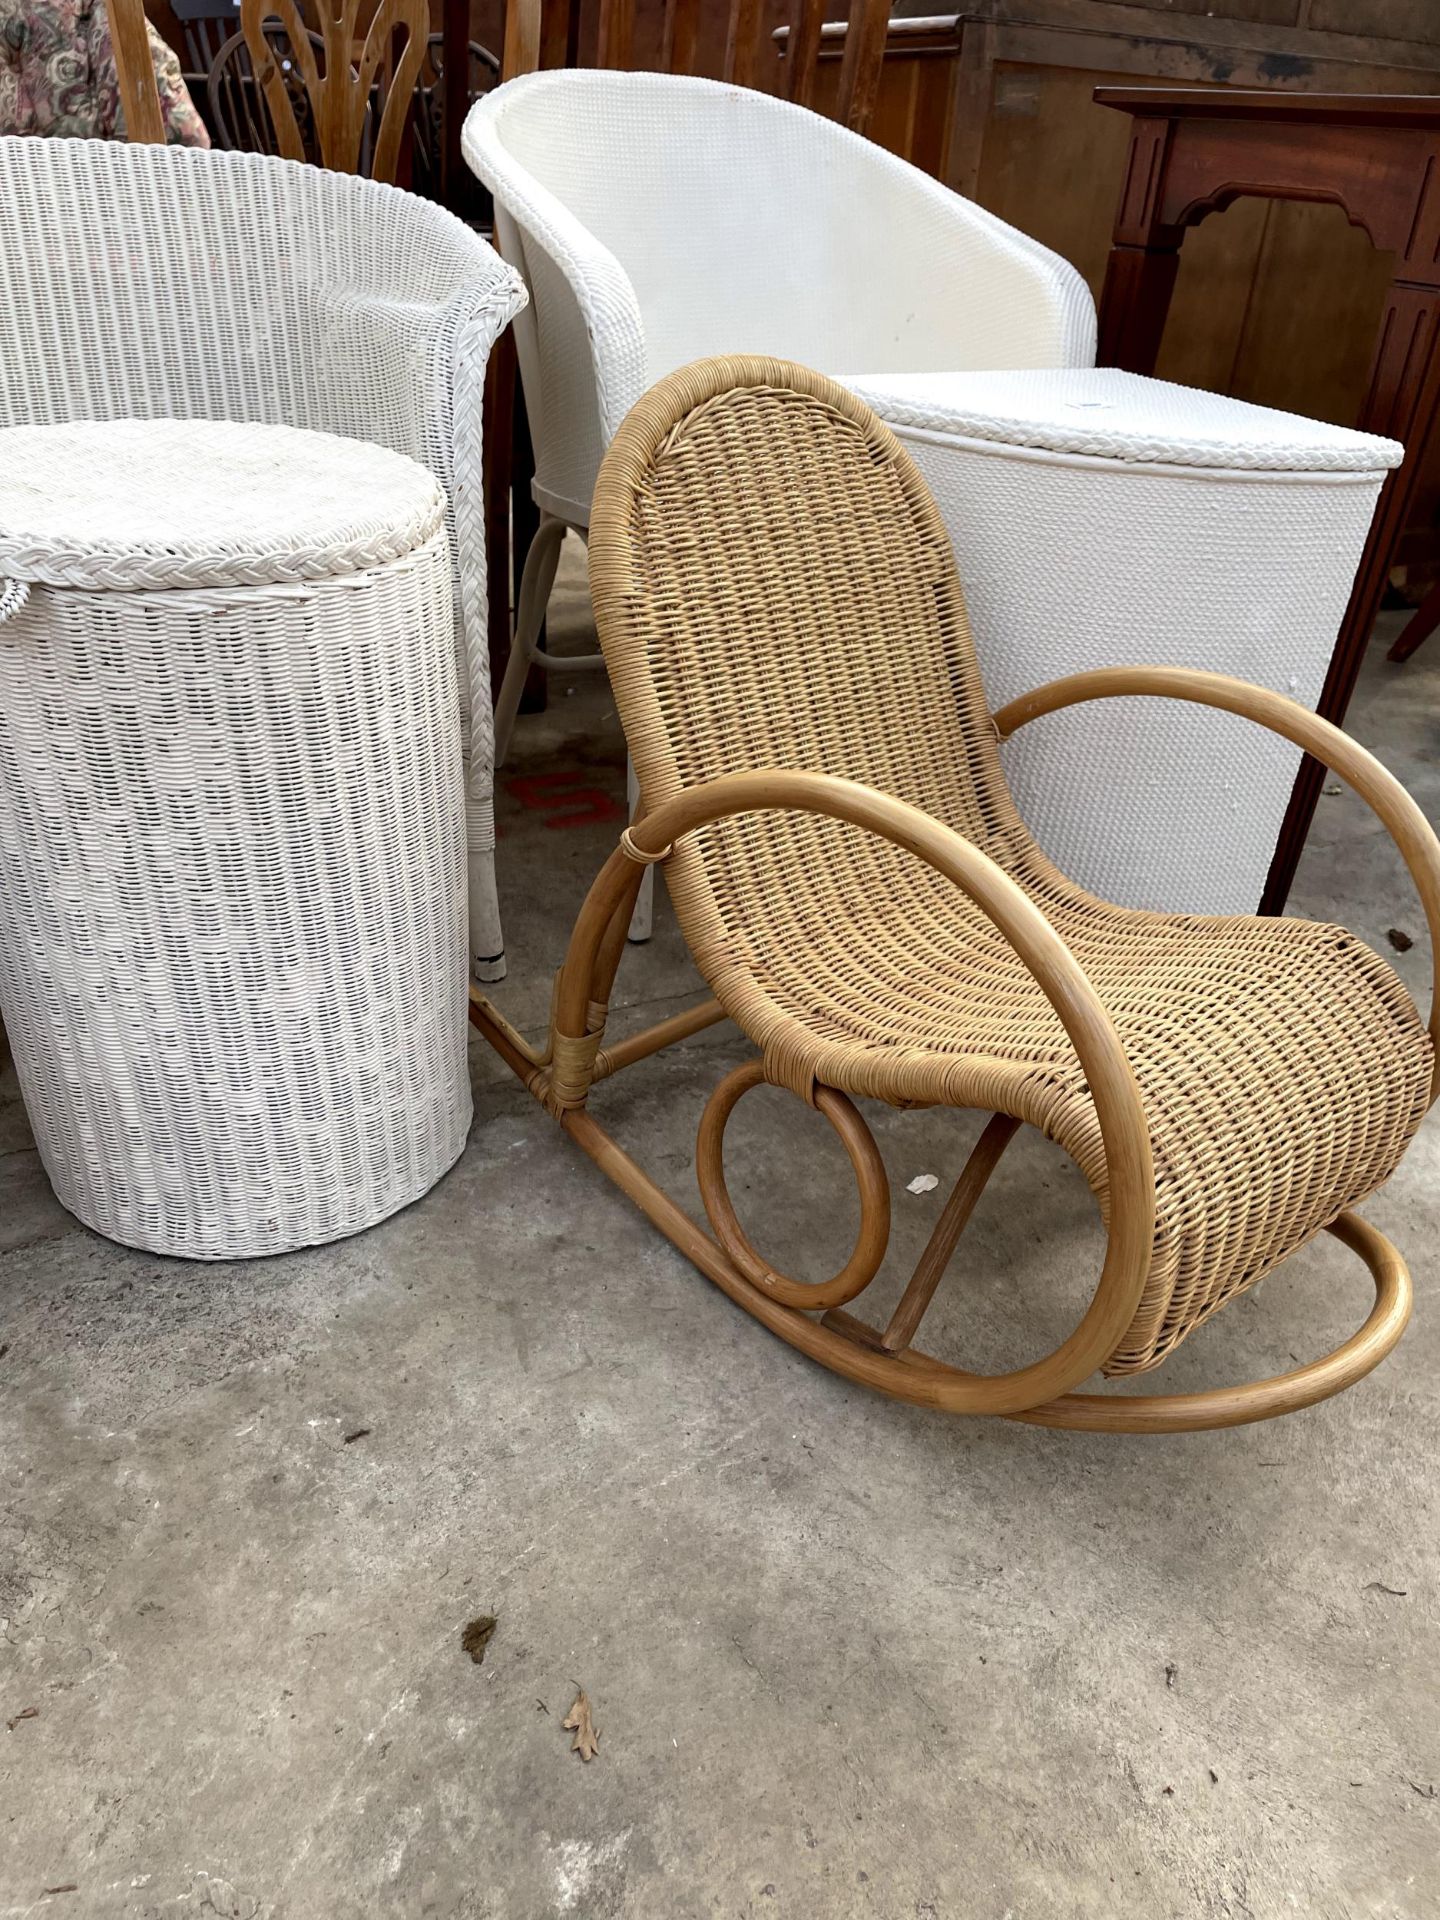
<point>858,1141</point>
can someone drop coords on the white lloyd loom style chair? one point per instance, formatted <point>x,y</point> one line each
<point>658,218</point>
<point>819,772</point>
<point>1095,517</point>
<point>147,282</point>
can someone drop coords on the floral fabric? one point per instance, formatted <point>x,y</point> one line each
<point>57,75</point>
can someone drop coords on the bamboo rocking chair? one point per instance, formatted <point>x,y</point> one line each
<point>788,646</point>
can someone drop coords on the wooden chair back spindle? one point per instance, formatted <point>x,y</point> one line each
<point>864,57</point>
<point>681,42</point>
<point>524,21</point>
<point>239,119</point>
<point>742,42</point>
<point>615,42</point>
<point>541,33</point>
<point>802,53</point>
<point>135,73</point>
<point>354,67</point>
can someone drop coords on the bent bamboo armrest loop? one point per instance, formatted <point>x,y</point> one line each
<point>1375,784</point>
<point>1130,1179</point>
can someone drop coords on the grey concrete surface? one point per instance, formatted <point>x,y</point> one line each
<point>846,1658</point>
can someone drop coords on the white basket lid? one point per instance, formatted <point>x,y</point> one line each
<point>1106,414</point>
<point>142,504</point>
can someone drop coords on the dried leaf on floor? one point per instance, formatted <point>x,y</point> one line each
<point>477,1635</point>
<point>587,1735</point>
<point>25,1713</point>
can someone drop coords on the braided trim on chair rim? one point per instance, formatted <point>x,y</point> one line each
<point>51,564</point>
<point>1360,455</point>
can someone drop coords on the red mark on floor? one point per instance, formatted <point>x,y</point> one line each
<point>566,798</point>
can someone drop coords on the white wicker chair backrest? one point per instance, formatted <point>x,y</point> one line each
<point>151,282</point>
<point>148,282</point>
<point>659,218</point>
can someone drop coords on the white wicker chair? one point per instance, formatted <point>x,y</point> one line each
<point>658,219</point>
<point>153,282</point>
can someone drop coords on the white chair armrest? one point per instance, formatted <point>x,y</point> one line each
<point>600,284</point>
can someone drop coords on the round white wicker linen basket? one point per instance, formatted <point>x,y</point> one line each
<point>232,832</point>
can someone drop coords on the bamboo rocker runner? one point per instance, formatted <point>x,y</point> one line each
<point>787,640</point>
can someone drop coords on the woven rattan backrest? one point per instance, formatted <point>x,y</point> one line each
<point>774,587</point>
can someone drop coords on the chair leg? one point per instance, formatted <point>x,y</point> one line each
<point>1418,628</point>
<point>539,577</point>
<point>642,921</point>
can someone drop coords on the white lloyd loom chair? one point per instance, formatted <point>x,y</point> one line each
<point>150,282</point>
<point>658,218</point>
<point>787,640</point>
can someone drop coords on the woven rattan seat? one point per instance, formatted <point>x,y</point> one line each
<point>788,644</point>
<point>1283,1066</point>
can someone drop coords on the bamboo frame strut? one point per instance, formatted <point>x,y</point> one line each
<point>1000,1130</point>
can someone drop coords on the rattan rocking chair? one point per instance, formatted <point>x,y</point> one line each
<point>788,646</point>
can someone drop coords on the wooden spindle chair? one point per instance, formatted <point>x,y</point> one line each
<point>536,36</point>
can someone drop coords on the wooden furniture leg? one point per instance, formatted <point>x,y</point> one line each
<point>1134,304</point>
<point>1418,628</point>
<point>1401,403</point>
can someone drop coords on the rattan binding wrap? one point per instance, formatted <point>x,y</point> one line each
<point>774,589</point>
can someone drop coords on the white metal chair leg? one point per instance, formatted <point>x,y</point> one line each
<point>642,920</point>
<point>535,584</point>
<point>535,587</point>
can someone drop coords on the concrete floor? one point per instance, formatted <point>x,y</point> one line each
<point>846,1658</point>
